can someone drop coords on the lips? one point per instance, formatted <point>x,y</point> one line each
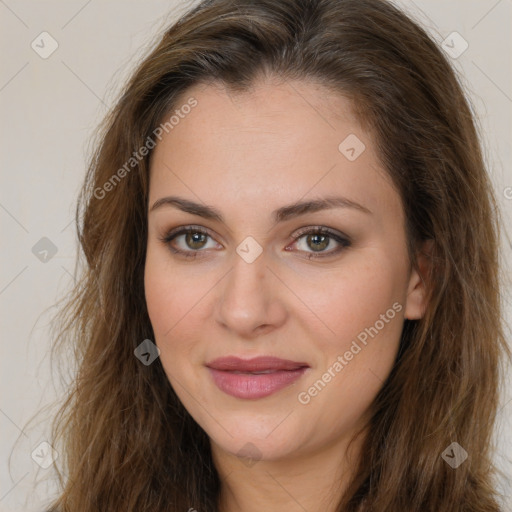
<point>258,364</point>
<point>254,378</point>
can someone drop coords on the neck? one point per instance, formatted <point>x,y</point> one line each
<point>313,481</point>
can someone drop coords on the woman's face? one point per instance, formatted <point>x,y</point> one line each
<point>258,174</point>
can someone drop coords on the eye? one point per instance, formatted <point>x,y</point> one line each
<point>189,241</point>
<point>319,239</point>
<point>194,239</point>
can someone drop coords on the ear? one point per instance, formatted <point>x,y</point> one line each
<point>416,300</point>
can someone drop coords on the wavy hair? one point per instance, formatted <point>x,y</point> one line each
<point>128,442</point>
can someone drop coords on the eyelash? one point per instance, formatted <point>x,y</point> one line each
<point>316,230</point>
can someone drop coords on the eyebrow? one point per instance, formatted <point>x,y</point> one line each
<point>280,215</point>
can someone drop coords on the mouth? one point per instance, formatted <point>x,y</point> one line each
<point>254,378</point>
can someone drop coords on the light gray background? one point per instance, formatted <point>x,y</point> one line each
<point>49,111</point>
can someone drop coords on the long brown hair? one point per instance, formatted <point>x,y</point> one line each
<point>128,443</point>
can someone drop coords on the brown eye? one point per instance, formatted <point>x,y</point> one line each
<point>195,240</point>
<point>188,241</point>
<point>318,240</point>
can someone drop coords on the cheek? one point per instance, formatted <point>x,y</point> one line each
<point>170,300</point>
<point>362,307</point>
<point>172,293</point>
<point>361,312</point>
<point>350,298</point>
<point>179,308</point>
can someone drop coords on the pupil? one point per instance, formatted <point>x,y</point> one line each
<point>315,240</point>
<point>195,238</point>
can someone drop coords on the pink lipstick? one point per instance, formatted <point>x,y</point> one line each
<point>254,378</point>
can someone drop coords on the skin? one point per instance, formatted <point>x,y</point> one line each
<point>246,155</point>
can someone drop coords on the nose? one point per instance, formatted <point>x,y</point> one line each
<point>250,301</point>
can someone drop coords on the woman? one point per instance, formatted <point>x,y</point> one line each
<point>291,293</point>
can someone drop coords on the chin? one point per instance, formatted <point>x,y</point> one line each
<point>250,438</point>
<point>251,449</point>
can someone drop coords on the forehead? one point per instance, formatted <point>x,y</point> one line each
<point>272,145</point>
